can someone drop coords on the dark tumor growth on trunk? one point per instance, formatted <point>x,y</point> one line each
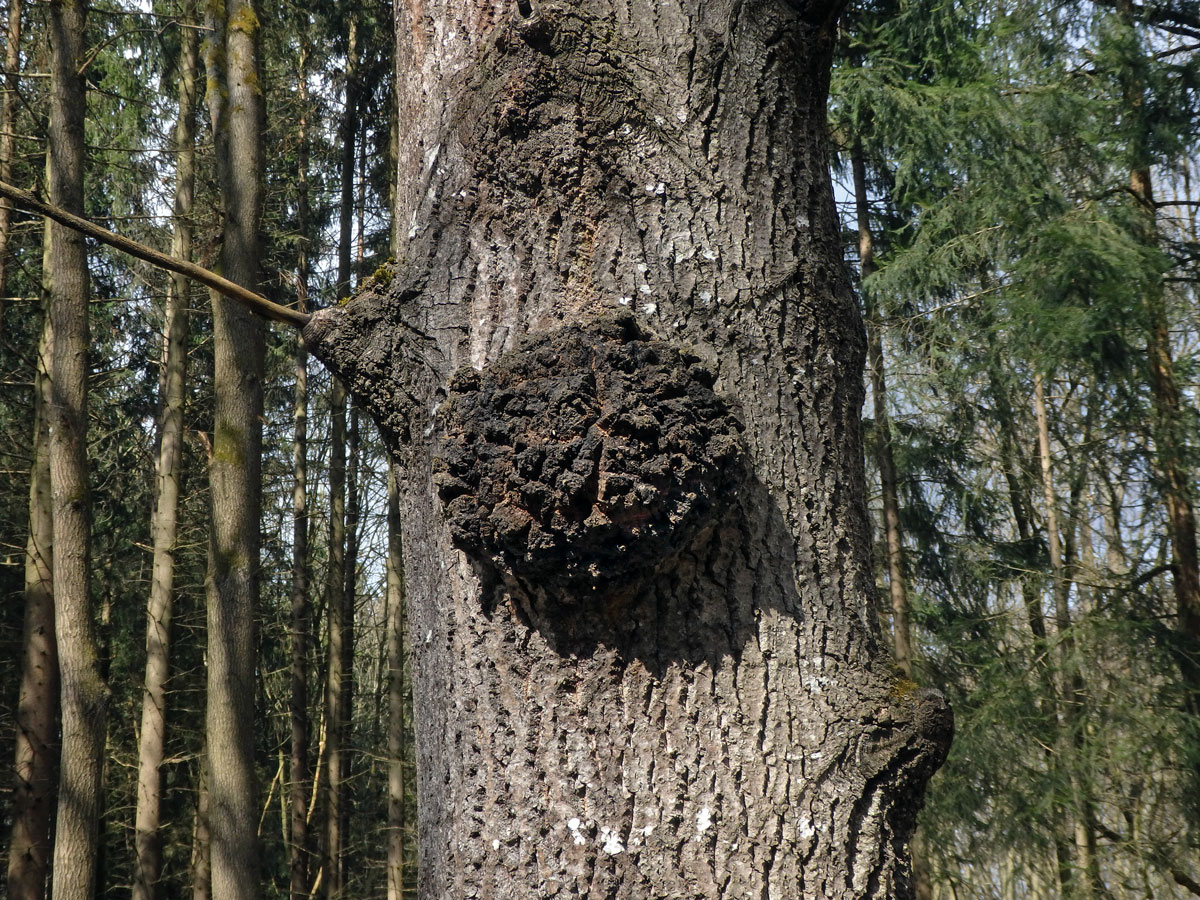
<point>583,461</point>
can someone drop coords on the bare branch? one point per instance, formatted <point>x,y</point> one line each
<point>254,302</point>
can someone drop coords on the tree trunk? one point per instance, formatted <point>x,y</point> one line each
<point>645,655</point>
<point>884,459</point>
<point>1168,426</point>
<point>1080,877</point>
<point>395,692</point>
<point>339,625</point>
<point>301,615</point>
<point>236,107</point>
<point>84,696</point>
<point>37,705</point>
<point>153,733</point>
<point>201,840</point>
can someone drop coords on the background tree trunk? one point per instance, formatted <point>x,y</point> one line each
<point>153,733</point>
<point>646,661</point>
<point>301,615</point>
<point>396,695</point>
<point>84,696</point>
<point>36,757</point>
<point>236,106</point>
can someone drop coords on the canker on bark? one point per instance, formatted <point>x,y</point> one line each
<point>619,368</point>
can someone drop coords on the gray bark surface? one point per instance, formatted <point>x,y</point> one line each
<point>35,761</point>
<point>236,106</point>
<point>83,694</point>
<point>590,193</point>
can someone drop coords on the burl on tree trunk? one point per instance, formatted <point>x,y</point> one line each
<point>620,369</point>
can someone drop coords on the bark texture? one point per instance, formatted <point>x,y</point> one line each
<point>722,724</point>
<point>36,756</point>
<point>84,695</point>
<point>236,106</point>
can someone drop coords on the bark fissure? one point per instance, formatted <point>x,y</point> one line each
<point>711,733</point>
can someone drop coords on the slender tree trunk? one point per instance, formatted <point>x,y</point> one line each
<point>153,732</point>
<point>645,652</point>
<point>301,615</point>
<point>84,696</point>
<point>29,849</point>
<point>8,121</point>
<point>201,841</point>
<point>236,106</point>
<point>886,463</point>
<point>884,458</point>
<point>1082,878</point>
<point>349,600</point>
<point>395,693</point>
<point>339,643</point>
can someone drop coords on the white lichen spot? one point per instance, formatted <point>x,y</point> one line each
<point>703,821</point>
<point>816,754</point>
<point>496,844</point>
<point>573,825</point>
<point>625,301</point>
<point>660,121</point>
<point>612,841</point>
<point>650,188</point>
<point>647,831</point>
<point>649,308</point>
<point>710,255</point>
<point>660,188</point>
<point>642,267</point>
<point>806,828</point>
<point>681,115</point>
<point>802,220</point>
<point>429,636</point>
<point>645,289</point>
<point>706,296</point>
<point>627,129</point>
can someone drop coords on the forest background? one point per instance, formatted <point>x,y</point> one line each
<point>1019,203</point>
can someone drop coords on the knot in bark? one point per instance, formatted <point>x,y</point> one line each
<point>585,460</point>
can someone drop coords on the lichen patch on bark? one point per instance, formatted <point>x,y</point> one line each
<point>585,460</point>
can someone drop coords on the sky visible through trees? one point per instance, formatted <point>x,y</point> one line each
<point>1016,192</point>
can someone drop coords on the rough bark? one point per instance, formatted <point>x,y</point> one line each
<point>36,755</point>
<point>629,191</point>
<point>395,693</point>
<point>83,694</point>
<point>236,107</point>
<point>153,733</point>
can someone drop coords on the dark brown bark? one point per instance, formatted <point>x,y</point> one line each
<point>84,696</point>
<point>642,195</point>
<point>153,733</point>
<point>236,107</point>
<point>36,756</point>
